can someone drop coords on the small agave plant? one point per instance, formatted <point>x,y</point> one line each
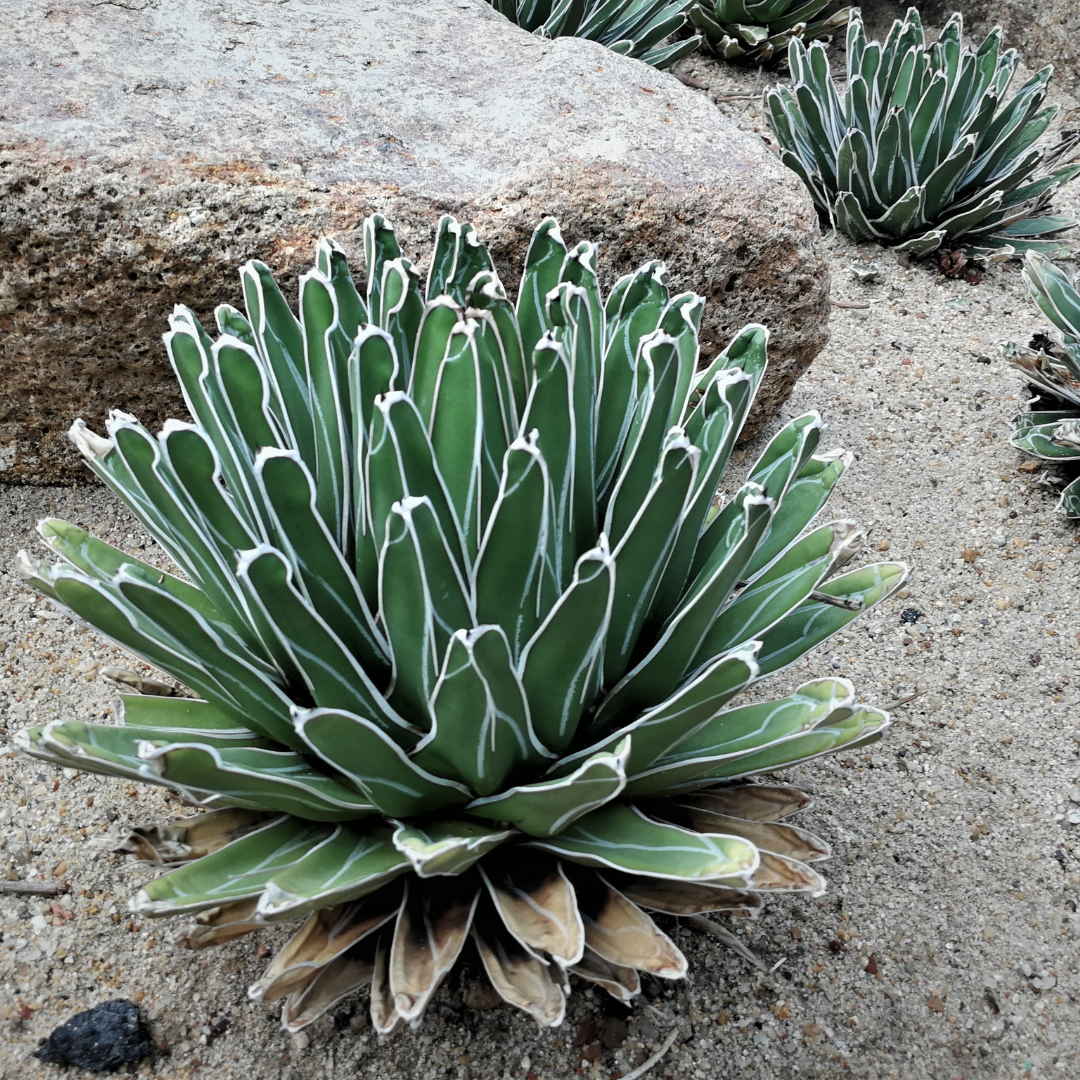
<point>761,30</point>
<point>637,28</point>
<point>1053,434</point>
<point>921,149</point>
<point>465,625</point>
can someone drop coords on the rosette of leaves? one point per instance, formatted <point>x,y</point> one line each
<point>637,28</point>
<point>1052,430</point>
<point>465,622</point>
<point>760,30</point>
<point>922,147</point>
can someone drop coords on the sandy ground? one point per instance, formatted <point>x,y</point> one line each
<point>946,947</point>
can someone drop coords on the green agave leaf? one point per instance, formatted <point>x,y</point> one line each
<point>642,553</point>
<point>802,502</point>
<point>247,395</point>
<point>380,247</point>
<point>515,585</point>
<point>326,350</point>
<point>739,732</point>
<point>1044,441</point>
<point>487,295</point>
<point>482,731</point>
<point>620,836</point>
<point>666,724</point>
<point>839,731</point>
<point>237,871</point>
<point>97,748</point>
<point>550,806</point>
<point>781,588</point>
<point>457,431</point>
<point>321,570</point>
<point>280,343</point>
<point>256,779</point>
<point>353,862</point>
<point>332,262</point>
<point>447,847</point>
<point>687,634</point>
<point>176,714</point>
<point>543,271</point>
<point>103,562</point>
<point>331,673</point>
<point>562,663</point>
<point>441,316</point>
<point>359,750</point>
<point>400,463</point>
<point>814,621</point>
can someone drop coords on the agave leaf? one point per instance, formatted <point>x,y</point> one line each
<point>428,937</point>
<point>538,907</point>
<point>515,585</point>
<point>620,932</point>
<point>253,777</point>
<point>103,561</point>
<point>788,841</point>
<point>219,925</point>
<point>642,553</point>
<point>320,567</point>
<point>188,838</point>
<point>738,732</point>
<point>548,807</point>
<point>441,315</point>
<point>782,587</point>
<point>97,748</point>
<point>622,983</point>
<point>325,936</point>
<point>351,971</point>
<point>350,864</point>
<point>487,295</point>
<point>687,897</point>
<point>562,662</point>
<point>856,728</point>
<point>331,673</point>
<point>375,763</point>
<point>755,802</point>
<point>543,271</point>
<point>385,1018</point>
<point>481,729</point>
<point>519,976</point>
<point>684,641</point>
<point>235,872</point>
<point>280,342</point>
<point>666,724</point>
<point>447,847</point>
<point>621,837</point>
<point>246,395</point>
<point>815,621</point>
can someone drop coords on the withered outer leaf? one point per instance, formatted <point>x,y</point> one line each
<point>430,932</point>
<point>384,1015</point>
<point>350,971</point>
<point>787,840</point>
<point>776,873</point>
<point>221,924</point>
<point>538,906</point>
<point>622,983</point>
<point>192,837</point>
<point>689,897</point>
<point>521,978</point>
<point>755,802</point>
<point>324,936</point>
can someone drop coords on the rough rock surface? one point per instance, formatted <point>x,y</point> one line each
<point>156,146</point>
<point>1045,31</point>
<point>100,1039</point>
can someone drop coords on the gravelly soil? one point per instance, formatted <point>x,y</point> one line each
<point>946,946</point>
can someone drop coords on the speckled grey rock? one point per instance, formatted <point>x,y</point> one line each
<point>147,149</point>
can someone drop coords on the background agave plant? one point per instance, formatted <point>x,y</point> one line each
<point>759,30</point>
<point>465,625</point>
<point>638,28</point>
<point>1052,432</point>
<point>921,148</point>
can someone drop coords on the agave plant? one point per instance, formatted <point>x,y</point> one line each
<point>1054,433</point>
<point>638,28</point>
<point>921,148</point>
<point>759,30</point>
<point>465,624</point>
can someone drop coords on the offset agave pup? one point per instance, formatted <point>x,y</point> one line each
<point>761,30</point>
<point>922,148</point>
<point>465,627</point>
<point>1053,432</point>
